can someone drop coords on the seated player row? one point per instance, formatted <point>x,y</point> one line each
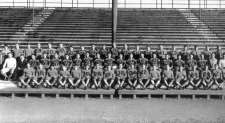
<point>121,78</point>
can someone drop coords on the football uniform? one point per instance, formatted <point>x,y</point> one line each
<point>45,62</point>
<point>109,62</point>
<point>18,52</point>
<point>61,52</point>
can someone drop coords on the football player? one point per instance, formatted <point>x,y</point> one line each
<point>109,77</point>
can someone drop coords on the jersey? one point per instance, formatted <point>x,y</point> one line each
<point>121,73</point>
<point>109,74</point>
<point>45,62</point>
<point>202,63</point>
<point>61,51</point>
<point>109,62</point>
<point>155,74</point>
<point>38,51</point>
<point>154,61</point>
<point>40,73</point>
<point>18,52</point>
<point>65,74</point>
<point>50,52</point>
<point>143,74</point>
<point>193,74</point>
<point>76,73</point>
<point>120,61</point>
<point>52,73</point>
<point>67,63</point>
<point>168,74</point>
<point>179,63</point>
<point>29,72</point>
<point>98,61</point>
<point>114,52</point>
<point>143,61</point>
<point>132,73</point>
<point>217,74</point>
<point>206,75</point>
<point>98,73</point>
<point>34,63</point>
<point>29,52</point>
<point>181,75</point>
<point>86,74</point>
<point>131,62</point>
<point>87,61</point>
<point>55,63</point>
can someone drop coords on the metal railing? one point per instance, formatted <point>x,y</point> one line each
<point>121,3</point>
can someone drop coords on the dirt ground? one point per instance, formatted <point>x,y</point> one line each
<point>63,110</point>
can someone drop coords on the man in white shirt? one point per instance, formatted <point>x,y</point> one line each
<point>9,66</point>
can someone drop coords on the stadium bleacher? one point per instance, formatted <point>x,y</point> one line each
<point>12,20</point>
<point>87,26</point>
<point>214,19</point>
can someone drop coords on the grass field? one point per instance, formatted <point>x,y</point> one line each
<point>63,110</point>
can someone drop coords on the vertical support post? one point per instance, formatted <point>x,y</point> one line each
<point>93,4</point>
<point>189,4</point>
<point>161,4</point>
<point>156,3</point>
<point>26,95</point>
<point>149,96</point>
<point>13,95</point>
<point>164,96</point>
<point>61,3</point>
<point>77,3</point>
<point>193,97</point>
<point>220,4</point>
<point>114,19</point>
<point>172,3</point>
<point>120,96</point>
<point>208,97</point>
<point>86,96</point>
<point>42,95</point>
<point>72,3</point>
<point>101,96</point>
<point>111,96</point>
<point>140,3</point>
<point>178,96</point>
<point>134,96</point>
<point>13,3</point>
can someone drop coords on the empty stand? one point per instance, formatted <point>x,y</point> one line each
<point>12,20</point>
<point>214,18</point>
<point>87,26</point>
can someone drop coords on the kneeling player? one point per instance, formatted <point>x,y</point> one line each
<point>97,76</point>
<point>206,78</point>
<point>39,77</point>
<point>194,78</point>
<point>144,77</point>
<point>132,77</point>
<point>109,78</point>
<point>217,79</point>
<point>64,76</point>
<point>155,77</point>
<point>27,77</point>
<point>181,78</point>
<point>75,81</point>
<point>168,77</point>
<point>51,77</point>
<point>121,76</point>
<point>86,77</point>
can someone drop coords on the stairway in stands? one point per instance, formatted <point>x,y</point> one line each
<point>201,27</point>
<point>32,25</point>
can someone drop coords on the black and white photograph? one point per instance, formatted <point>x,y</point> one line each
<point>112,61</point>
